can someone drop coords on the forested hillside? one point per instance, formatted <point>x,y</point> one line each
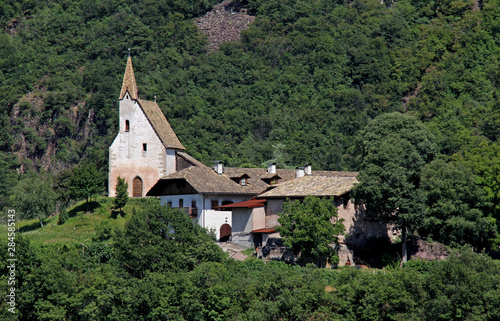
<point>318,81</point>
<point>300,84</point>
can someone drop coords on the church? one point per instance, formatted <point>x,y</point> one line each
<point>145,147</point>
<point>237,204</point>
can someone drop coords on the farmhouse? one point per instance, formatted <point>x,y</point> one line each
<point>237,204</point>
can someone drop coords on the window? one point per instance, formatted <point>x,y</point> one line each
<point>169,204</point>
<point>215,203</point>
<point>193,204</point>
<point>181,202</point>
<point>227,202</point>
<point>144,147</point>
<point>243,181</point>
<point>127,126</point>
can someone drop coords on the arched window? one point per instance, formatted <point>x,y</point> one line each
<point>137,187</point>
<point>127,126</point>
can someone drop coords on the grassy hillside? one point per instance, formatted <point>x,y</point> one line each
<point>83,224</point>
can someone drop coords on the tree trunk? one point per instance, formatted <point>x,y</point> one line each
<point>403,243</point>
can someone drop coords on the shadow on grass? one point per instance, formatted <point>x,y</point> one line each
<point>116,213</point>
<point>34,226</point>
<point>84,207</point>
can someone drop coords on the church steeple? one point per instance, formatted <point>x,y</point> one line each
<point>129,84</point>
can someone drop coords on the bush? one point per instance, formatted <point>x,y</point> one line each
<point>63,217</point>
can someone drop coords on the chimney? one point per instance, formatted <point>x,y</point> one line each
<point>300,172</point>
<point>307,169</point>
<point>219,167</point>
<point>271,168</point>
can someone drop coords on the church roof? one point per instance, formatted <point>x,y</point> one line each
<point>160,124</point>
<point>129,83</point>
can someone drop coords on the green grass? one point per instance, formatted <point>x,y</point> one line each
<point>248,251</point>
<point>81,225</point>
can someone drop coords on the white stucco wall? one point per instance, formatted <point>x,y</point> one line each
<point>127,158</point>
<point>207,218</point>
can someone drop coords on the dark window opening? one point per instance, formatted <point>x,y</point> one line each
<point>169,204</point>
<point>227,202</point>
<point>193,204</point>
<point>145,147</point>
<point>181,202</point>
<point>127,126</point>
<point>215,203</point>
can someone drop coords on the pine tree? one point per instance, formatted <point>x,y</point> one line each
<point>121,193</point>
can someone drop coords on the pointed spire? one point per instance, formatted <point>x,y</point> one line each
<point>129,84</point>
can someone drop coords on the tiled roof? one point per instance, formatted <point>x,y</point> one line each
<point>160,124</point>
<point>312,185</point>
<point>246,204</point>
<point>191,159</point>
<point>204,180</point>
<point>264,230</point>
<point>129,82</point>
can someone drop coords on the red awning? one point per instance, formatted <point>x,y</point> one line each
<point>245,204</point>
<point>264,230</point>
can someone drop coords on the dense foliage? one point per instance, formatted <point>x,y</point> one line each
<point>60,282</point>
<point>310,227</point>
<point>300,86</point>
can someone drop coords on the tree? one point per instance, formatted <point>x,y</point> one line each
<point>482,159</point>
<point>159,238</point>
<point>86,182</point>
<point>453,202</point>
<point>34,197</point>
<point>394,147</point>
<point>311,227</point>
<point>121,193</point>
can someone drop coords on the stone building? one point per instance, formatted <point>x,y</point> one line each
<point>145,147</point>
<point>237,204</point>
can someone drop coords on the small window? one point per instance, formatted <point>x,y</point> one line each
<point>243,181</point>
<point>227,202</point>
<point>193,204</point>
<point>127,126</point>
<point>169,204</point>
<point>215,203</point>
<point>181,202</point>
<point>144,147</point>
